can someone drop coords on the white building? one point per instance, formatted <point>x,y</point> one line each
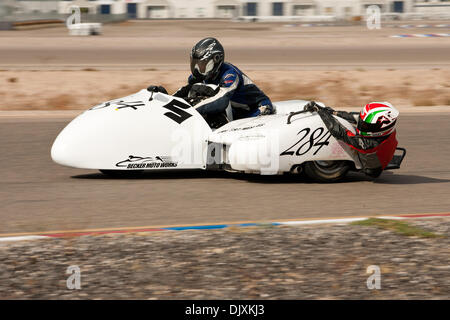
<point>337,8</point>
<point>432,6</point>
<point>37,6</point>
<point>198,9</point>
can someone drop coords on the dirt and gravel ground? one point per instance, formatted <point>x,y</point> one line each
<point>321,262</point>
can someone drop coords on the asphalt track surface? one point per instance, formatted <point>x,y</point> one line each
<point>39,195</point>
<point>174,58</point>
<point>167,44</point>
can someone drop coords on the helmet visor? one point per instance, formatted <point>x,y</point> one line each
<point>373,127</point>
<point>201,66</point>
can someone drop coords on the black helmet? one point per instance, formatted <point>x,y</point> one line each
<point>206,59</point>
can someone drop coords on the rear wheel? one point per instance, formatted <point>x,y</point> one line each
<point>326,171</point>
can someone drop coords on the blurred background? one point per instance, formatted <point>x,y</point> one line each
<point>53,65</point>
<point>277,43</point>
<point>307,10</point>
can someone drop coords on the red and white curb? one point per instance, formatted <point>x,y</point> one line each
<point>65,234</point>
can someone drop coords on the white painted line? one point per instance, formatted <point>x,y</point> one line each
<point>346,220</point>
<point>289,223</point>
<point>22,238</point>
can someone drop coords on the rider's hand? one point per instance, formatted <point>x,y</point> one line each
<point>193,80</point>
<point>157,89</point>
<point>265,110</point>
<point>311,107</point>
<point>330,110</point>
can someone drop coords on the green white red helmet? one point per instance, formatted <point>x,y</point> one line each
<point>377,119</point>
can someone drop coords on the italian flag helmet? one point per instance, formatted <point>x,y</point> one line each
<point>377,119</point>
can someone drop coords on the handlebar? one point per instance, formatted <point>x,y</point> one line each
<point>294,114</point>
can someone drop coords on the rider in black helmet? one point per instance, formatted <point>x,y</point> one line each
<point>207,56</point>
<point>208,67</point>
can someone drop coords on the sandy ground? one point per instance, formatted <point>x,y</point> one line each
<point>342,66</point>
<point>50,90</point>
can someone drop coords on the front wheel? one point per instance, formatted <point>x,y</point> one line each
<point>326,171</point>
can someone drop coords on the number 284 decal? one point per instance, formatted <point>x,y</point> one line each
<point>317,139</point>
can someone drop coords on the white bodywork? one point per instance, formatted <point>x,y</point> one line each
<point>85,29</point>
<point>151,131</point>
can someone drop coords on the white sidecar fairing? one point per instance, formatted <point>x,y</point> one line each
<point>148,131</point>
<point>271,145</point>
<point>143,131</point>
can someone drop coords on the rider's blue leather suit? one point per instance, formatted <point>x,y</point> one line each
<point>235,87</point>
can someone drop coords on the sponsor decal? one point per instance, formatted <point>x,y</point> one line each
<point>131,104</point>
<point>120,104</point>
<point>208,51</point>
<point>178,113</point>
<point>101,105</point>
<point>228,76</point>
<point>242,128</point>
<point>158,162</point>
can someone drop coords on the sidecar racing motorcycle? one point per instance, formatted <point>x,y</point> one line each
<point>152,130</point>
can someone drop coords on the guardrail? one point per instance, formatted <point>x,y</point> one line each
<point>8,22</point>
<point>36,22</point>
<point>386,16</point>
<point>6,25</point>
<point>427,16</point>
<point>287,18</point>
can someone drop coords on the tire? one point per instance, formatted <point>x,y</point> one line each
<point>326,171</point>
<point>121,173</point>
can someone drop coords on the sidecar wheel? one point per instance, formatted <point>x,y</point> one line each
<point>121,173</point>
<point>326,171</point>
